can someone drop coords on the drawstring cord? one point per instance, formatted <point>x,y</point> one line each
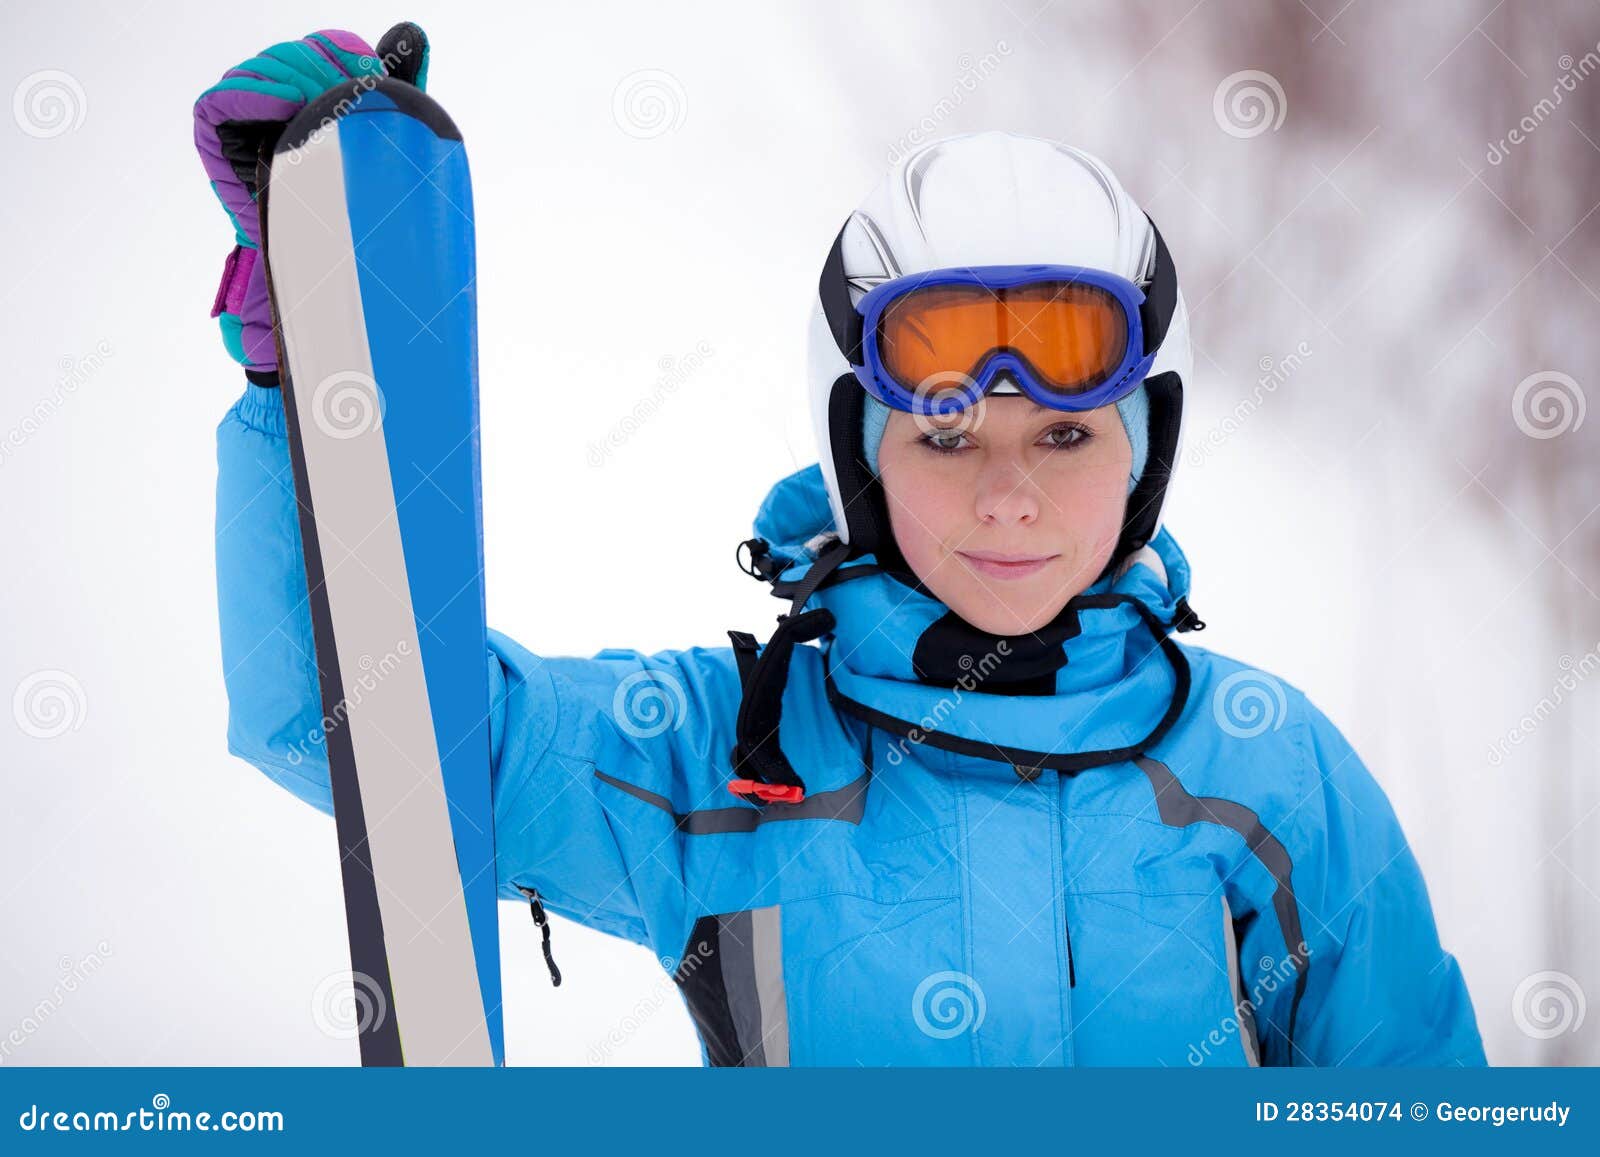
<point>542,921</point>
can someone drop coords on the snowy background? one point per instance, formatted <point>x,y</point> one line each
<point>1389,493</point>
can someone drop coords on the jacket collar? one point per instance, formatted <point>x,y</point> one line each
<point>1088,681</point>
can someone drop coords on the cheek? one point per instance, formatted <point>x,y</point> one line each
<point>1092,483</point>
<point>1089,507</point>
<point>926,510</point>
<point>1091,498</point>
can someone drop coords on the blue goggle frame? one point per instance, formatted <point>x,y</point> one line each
<point>1120,382</point>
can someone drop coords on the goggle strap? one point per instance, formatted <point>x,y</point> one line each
<point>834,290</point>
<point>1161,298</point>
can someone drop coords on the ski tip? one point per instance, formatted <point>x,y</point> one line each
<point>404,52</point>
<point>366,95</point>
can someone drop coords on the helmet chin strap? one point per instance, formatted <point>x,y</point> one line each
<point>1165,393</point>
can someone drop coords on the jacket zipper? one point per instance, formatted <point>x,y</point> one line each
<point>1029,775</point>
<point>536,906</point>
<point>1068,999</point>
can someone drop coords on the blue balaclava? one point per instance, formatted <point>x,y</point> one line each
<point>1134,410</point>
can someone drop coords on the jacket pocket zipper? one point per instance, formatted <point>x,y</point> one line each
<point>1072,971</point>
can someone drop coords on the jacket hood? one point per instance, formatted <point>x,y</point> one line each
<point>1078,684</point>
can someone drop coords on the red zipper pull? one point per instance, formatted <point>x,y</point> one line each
<point>757,792</point>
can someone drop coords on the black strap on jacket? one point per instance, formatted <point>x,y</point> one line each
<point>762,773</point>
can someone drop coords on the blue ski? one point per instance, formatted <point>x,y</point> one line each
<point>369,245</point>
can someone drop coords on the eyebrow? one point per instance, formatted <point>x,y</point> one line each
<point>1037,407</point>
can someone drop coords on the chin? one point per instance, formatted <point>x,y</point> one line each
<point>1027,604</point>
<point>990,615</point>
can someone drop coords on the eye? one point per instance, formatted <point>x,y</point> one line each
<point>944,441</point>
<point>1066,435</point>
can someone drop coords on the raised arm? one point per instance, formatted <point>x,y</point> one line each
<point>553,723</point>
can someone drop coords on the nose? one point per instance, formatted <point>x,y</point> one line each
<point>1006,495</point>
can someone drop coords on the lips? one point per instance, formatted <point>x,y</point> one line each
<point>997,564</point>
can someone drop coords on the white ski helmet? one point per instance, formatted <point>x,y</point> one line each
<point>988,198</point>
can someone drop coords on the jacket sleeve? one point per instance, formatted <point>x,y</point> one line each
<point>1378,989</point>
<point>660,724</point>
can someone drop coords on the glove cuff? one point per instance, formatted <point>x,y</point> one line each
<point>235,279</point>
<point>243,312</point>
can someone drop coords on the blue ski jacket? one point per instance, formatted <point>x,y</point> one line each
<point>984,871</point>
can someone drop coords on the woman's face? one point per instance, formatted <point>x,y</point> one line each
<point>1009,509</point>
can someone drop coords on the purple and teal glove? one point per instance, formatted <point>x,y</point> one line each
<point>238,120</point>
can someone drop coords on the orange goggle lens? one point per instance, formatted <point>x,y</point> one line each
<point>1072,336</point>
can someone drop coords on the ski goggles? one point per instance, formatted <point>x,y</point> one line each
<point>1069,337</point>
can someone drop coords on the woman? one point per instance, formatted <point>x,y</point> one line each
<point>997,815</point>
